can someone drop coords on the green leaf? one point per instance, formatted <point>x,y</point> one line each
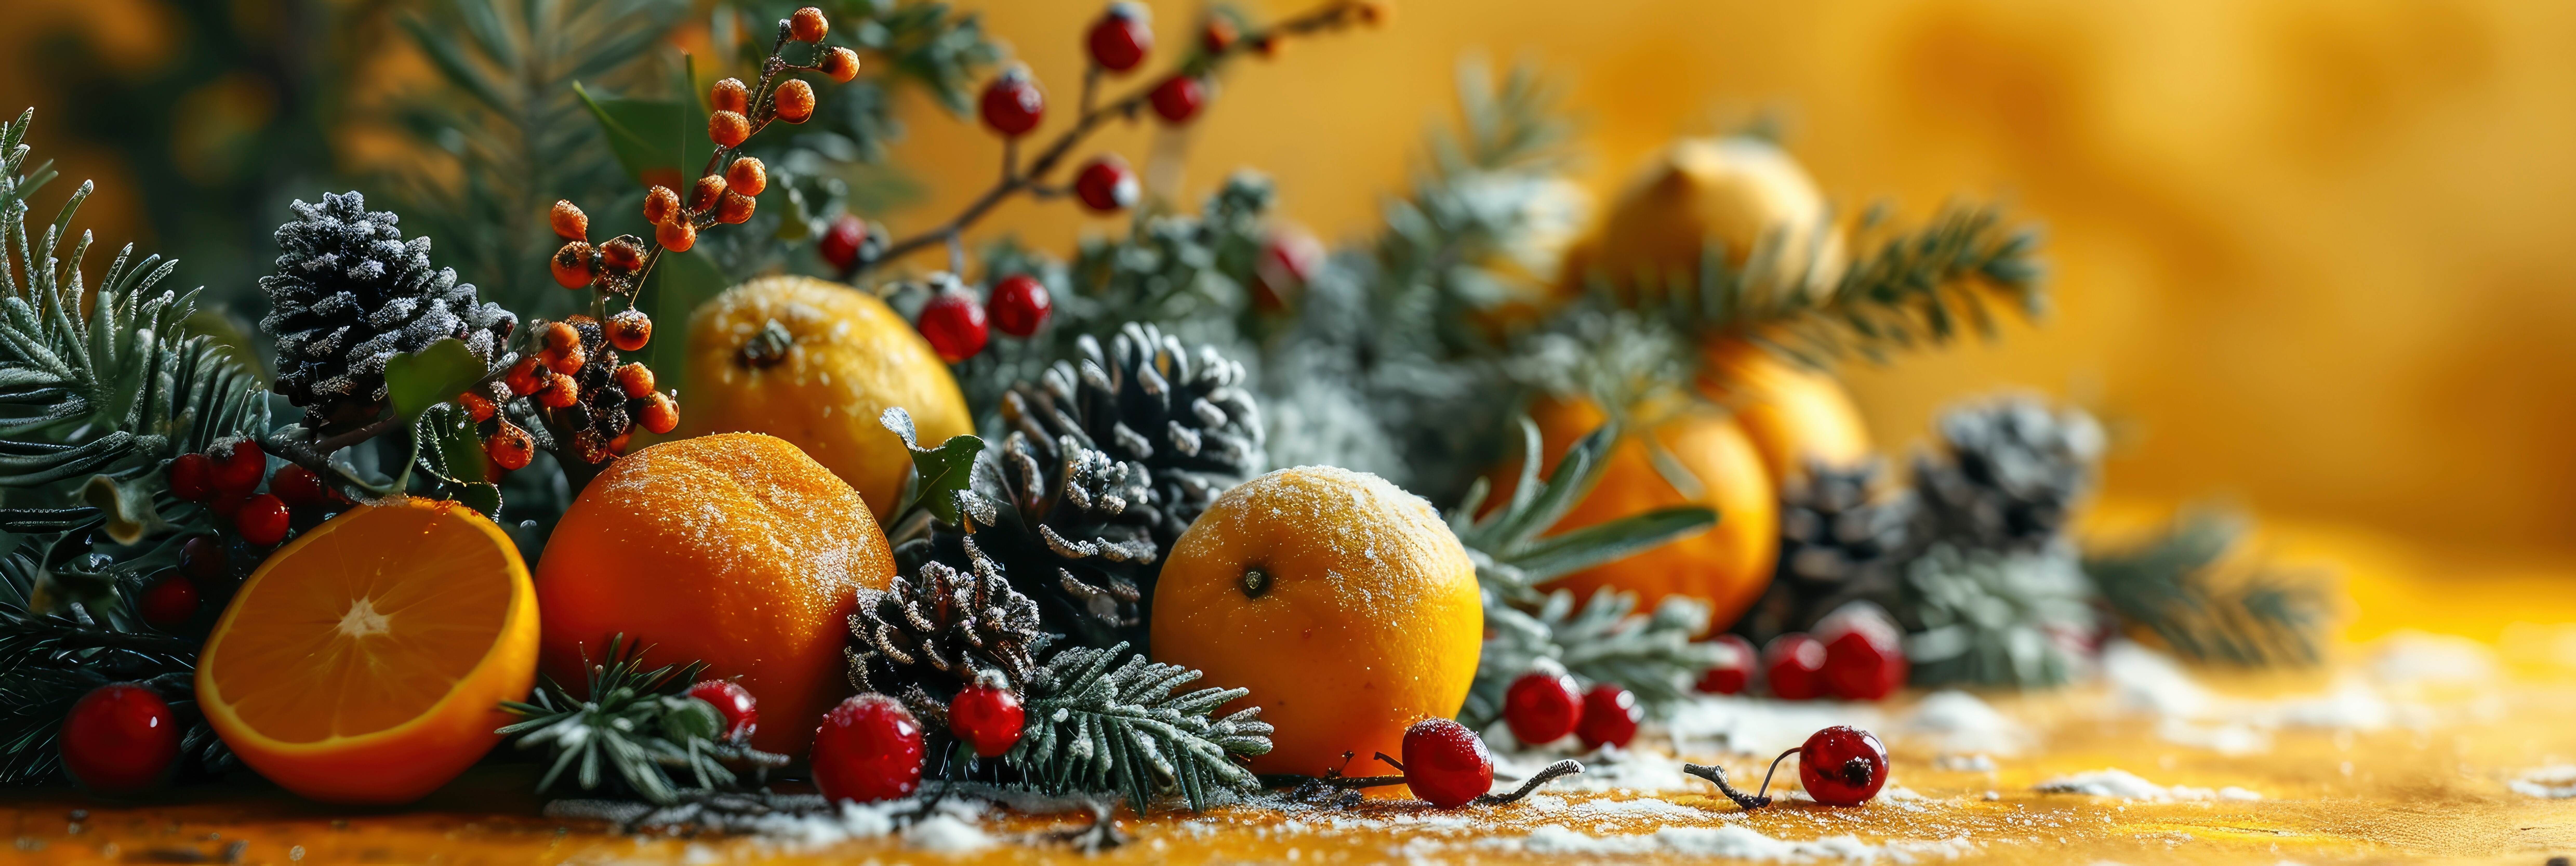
<point>1606,542</point>
<point>453,440</point>
<point>652,135</point>
<point>938,472</point>
<point>431,376</point>
<point>680,282</point>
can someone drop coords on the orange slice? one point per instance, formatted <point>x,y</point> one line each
<point>365,661</point>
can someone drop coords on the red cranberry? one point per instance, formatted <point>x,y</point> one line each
<point>169,603</point>
<point>1542,706</point>
<point>733,702</point>
<point>1864,654</point>
<point>954,324</point>
<point>1792,663</point>
<point>263,520</point>
<point>1178,98</point>
<point>1842,766</point>
<point>238,473</point>
<point>1445,764</point>
<point>1020,305</point>
<point>1121,38</point>
<point>1610,715</point>
<point>1734,668</point>
<point>1288,260</point>
<point>202,559</point>
<point>1012,104</point>
<point>987,716</point>
<point>868,749</point>
<point>192,477</point>
<point>840,243</point>
<point>298,486</point>
<point>1106,184</point>
<point>120,739</point>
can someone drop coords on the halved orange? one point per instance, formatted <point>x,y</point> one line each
<point>366,661</point>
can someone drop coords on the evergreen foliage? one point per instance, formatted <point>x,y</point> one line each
<point>638,724</point>
<point>2180,588</point>
<point>1105,719</point>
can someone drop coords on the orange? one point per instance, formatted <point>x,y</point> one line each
<point>1744,192</point>
<point>1727,566</point>
<point>1342,602</point>
<point>847,359</point>
<point>734,549</point>
<point>1793,414</point>
<point>366,661</point>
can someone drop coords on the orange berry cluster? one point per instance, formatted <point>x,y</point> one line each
<point>581,388</point>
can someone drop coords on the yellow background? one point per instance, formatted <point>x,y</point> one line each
<point>2309,254</point>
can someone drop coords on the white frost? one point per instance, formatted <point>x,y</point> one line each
<point>2125,785</point>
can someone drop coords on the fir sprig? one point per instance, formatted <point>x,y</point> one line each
<point>1511,556</point>
<point>637,723</point>
<point>2176,587</point>
<point>1106,720</point>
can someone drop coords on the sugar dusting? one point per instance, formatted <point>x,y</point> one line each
<point>2554,782</point>
<point>2122,784</point>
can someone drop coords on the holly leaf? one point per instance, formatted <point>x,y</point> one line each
<point>938,473</point>
<point>452,451</point>
<point>419,380</point>
<point>655,140</point>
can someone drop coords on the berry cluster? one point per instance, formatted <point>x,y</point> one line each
<point>228,483</point>
<point>871,748</point>
<point>1856,654</point>
<point>958,324</point>
<point>580,389</point>
<point>1545,705</point>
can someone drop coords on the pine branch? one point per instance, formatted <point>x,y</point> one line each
<point>1106,720</point>
<point>1652,656</point>
<point>1982,617</point>
<point>640,724</point>
<point>2176,587</point>
<point>1511,557</point>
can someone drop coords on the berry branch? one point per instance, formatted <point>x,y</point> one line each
<point>1013,107</point>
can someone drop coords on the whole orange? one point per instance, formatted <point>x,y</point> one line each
<point>366,661</point>
<point>734,549</point>
<point>1727,566</point>
<point>1342,602</point>
<point>1743,192</point>
<point>1793,414</point>
<point>835,359</point>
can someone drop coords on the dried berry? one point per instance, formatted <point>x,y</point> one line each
<point>730,95</point>
<point>510,446</point>
<point>635,380</point>
<point>622,254</point>
<point>677,235</point>
<point>808,24</point>
<point>735,208</point>
<point>477,406</point>
<point>841,64</point>
<point>704,194</point>
<point>794,101</point>
<point>747,175</point>
<point>630,329</point>
<point>568,221</point>
<point>659,204</point>
<point>560,392</point>
<point>523,377</point>
<point>571,265</point>
<point>728,128</point>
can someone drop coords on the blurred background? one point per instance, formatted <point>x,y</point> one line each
<point>2307,254</point>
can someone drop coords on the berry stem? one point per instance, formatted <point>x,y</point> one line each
<point>1717,775</point>
<point>1550,773</point>
<point>1333,14</point>
<point>1775,767</point>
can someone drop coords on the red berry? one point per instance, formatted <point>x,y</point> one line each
<point>263,520</point>
<point>659,414</point>
<point>1842,766</point>
<point>840,243</point>
<point>225,507</point>
<point>297,486</point>
<point>1178,98</point>
<point>868,749</point>
<point>954,324</point>
<point>167,605</point>
<point>120,739</point>
<point>192,477</point>
<point>1020,305</point>
<point>1106,184</point>
<point>1542,706</point>
<point>1218,36</point>
<point>1864,653</point>
<point>202,558</point>
<point>1121,38</point>
<point>1734,668</point>
<point>987,715</point>
<point>1012,104</point>
<point>733,702</point>
<point>239,471</point>
<point>1445,764</point>
<point>1793,663</point>
<point>1610,715</point>
<point>1288,260</point>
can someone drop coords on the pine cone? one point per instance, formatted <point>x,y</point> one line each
<point>348,295</point>
<point>2009,474</point>
<point>1187,422</point>
<point>1839,543</point>
<point>1984,617</point>
<point>922,639</point>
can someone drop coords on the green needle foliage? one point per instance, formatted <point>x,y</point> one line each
<point>1106,720</point>
<point>2175,587</point>
<point>637,723</point>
